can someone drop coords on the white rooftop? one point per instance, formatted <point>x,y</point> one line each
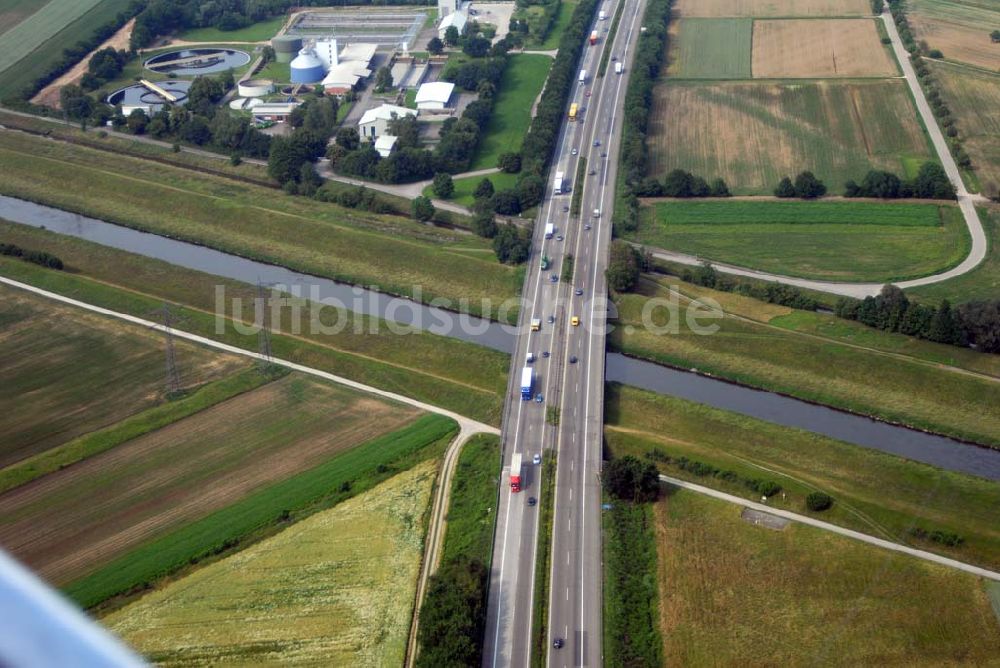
<point>385,143</point>
<point>437,91</point>
<point>275,107</point>
<point>457,19</point>
<point>385,112</point>
<point>359,52</point>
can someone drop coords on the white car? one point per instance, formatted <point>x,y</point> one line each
<point>537,459</point>
<point>574,151</point>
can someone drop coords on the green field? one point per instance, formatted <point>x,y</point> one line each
<point>89,372</point>
<point>12,12</point>
<point>472,508</point>
<point>753,133</point>
<point>261,514</point>
<point>396,255</point>
<point>737,594</point>
<point>462,377</point>
<point>37,43</point>
<point>521,84</point>
<point>334,589</point>
<point>981,283</point>
<point>711,49</point>
<point>875,493</point>
<point>838,241</point>
<point>873,374</point>
<point>258,32</point>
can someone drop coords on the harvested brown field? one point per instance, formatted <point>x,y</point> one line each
<point>961,30</point>
<point>65,372</point>
<point>766,8</point>
<point>819,48</point>
<point>144,488</point>
<point>752,133</point>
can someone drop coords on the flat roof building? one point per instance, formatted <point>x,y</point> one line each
<point>375,122</point>
<point>434,96</point>
<point>277,112</point>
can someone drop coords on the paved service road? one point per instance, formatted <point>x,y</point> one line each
<point>571,379</point>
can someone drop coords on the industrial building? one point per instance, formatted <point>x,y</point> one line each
<point>255,87</point>
<point>307,68</point>
<point>286,47</point>
<point>276,112</point>
<point>339,70</point>
<point>375,122</point>
<point>434,96</point>
<point>457,19</point>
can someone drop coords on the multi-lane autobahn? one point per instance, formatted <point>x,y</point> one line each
<point>569,375</point>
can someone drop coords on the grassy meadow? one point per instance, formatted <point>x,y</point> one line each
<point>394,254</point>
<point>753,133</point>
<point>710,49</point>
<point>148,487</point>
<point>521,84</point>
<point>258,32</point>
<point>732,593</point>
<point>346,576</point>
<point>463,377</point>
<point>883,377</point>
<point>837,241</point>
<point>473,503</point>
<point>875,493</point>
<point>465,188</point>
<point>981,283</point>
<point>13,12</point>
<point>86,373</point>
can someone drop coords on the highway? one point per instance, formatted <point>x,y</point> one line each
<point>569,375</point>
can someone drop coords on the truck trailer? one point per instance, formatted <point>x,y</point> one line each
<point>526,381</point>
<point>515,472</point>
<point>583,76</point>
<point>603,15</point>
<point>558,186</point>
<point>593,37</point>
<point>550,229</point>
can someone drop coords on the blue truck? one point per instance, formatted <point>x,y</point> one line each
<point>526,381</point>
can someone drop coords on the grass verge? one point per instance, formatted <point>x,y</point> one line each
<point>581,174</point>
<point>472,511</point>
<point>242,523</point>
<point>543,563</point>
<point>875,493</point>
<point>609,40</point>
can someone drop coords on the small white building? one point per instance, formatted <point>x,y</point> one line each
<point>457,19</point>
<point>277,112</point>
<point>385,144</point>
<point>375,122</point>
<point>434,96</point>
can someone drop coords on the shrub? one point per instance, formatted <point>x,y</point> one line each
<point>818,502</point>
<point>785,188</point>
<point>444,186</point>
<point>422,209</point>
<point>628,479</point>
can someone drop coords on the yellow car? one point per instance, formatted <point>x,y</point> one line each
<point>574,321</point>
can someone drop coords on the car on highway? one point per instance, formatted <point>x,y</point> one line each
<point>554,278</point>
<point>545,353</point>
<point>559,237</point>
<point>537,459</point>
<point>557,643</point>
<point>565,209</point>
<point>574,151</point>
<point>532,500</point>
<point>572,359</point>
<point>575,320</point>
<point>592,172</point>
<point>552,319</point>
<point>586,227</point>
<point>597,142</point>
<point>539,398</point>
<point>579,292</point>
<point>587,94</point>
<point>597,213</point>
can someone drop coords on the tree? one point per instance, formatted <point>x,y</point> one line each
<point>453,615</point>
<point>720,189</point>
<point>406,130</point>
<point>677,184</point>
<point>75,102</point>
<point>451,36</point>
<point>203,94</point>
<point>196,131</point>
<point>995,36</point>
<point>785,188</point>
<point>423,209</point>
<point>348,138</point>
<point>435,46</point>
<point>807,186</point>
<point>980,320</point>
<point>932,182</point>
<point>628,479</point>
<point>383,79</point>
<point>106,63</point>
<point>530,190</point>
<point>818,501</point>
<point>509,162</point>
<point>511,245</point>
<point>477,47</point>
<point>484,189</point>
<point>137,122</point>
<point>444,186</point>
<point>284,164</point>
<point>624,266</point>
<point>944,326</point>
<point>507,203</point>
<point>484,225</point>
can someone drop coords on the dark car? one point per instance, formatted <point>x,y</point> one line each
<point>579,292</point>
<point>545,353</point>
<point>554,278</point>
<point>532,500</point>
<point>557,643</point>
<point>572,359</point>
<point>552,319</point>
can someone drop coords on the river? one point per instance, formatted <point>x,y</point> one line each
<point>939,451</point>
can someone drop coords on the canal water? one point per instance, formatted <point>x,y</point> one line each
<point>939,451</point>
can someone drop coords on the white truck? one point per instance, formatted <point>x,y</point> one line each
<point>558,187</point>
<point>619,68</point>
<point>550,229</point>
<point>583,76</point>
<point>603,16</point>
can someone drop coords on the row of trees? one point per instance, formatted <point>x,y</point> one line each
<point>976,323</point>
<point>104,65</point>
<point>453,615</point>
<point>931,182</point>
<point>38,257</point>
<point>680,183</point>
<point>806,186</point>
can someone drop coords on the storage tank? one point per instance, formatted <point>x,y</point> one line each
<point>307,68</point>
<point>285,47</point>
<point>255,87</point>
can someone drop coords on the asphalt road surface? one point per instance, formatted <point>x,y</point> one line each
<point>569,377</point>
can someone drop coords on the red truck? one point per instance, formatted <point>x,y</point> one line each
<point>515,472</point>
<point>593,37</point>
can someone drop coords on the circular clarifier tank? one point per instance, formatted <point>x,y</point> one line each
<point>138,95</point>
<point>193,62</point>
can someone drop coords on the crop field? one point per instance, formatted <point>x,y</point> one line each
<point>463,377</point>
<point>732,593</point>
<point>974,99</point>
<point>961,30</point>
<point>37,43</point>
<point>64,372</point>
<point>819,48</point>
<point>753,134</point>
<point>710,49</point>
<point>846,241</point>
<point>875,493</point>
<point>519,88</point>
<point>767,8</point>
<point>336,589</point>
<point>893,378</point>
<point>146,487</point>
<point>394,254</point>
<point>12,12</point>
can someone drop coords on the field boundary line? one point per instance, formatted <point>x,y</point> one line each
<point>464,422</point>
<point>826,526</point>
